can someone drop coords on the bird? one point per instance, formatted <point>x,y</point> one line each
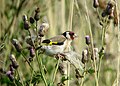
<point>59,43</point>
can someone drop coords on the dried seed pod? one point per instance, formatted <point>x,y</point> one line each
<point>24,18</point>
<point>95,3</point>
<point>108,8</point>
<point>87,39</point>
<point>26,25</point>
<point>96,54</point>
<point>17,45</point>
<point>32,20</point>
<point>61,68</point>
<point>32,51</point>
<point>10,76</point>
<point>111,16</point>
<point>11,68</point>
<point>111,4</point>
<point>14,62</point>
<point>36,16</point>
<point>29,40</point>
<point>84,56</point>
<point>43,29</point>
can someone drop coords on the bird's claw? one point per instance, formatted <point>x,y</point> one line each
<point>60,56</point>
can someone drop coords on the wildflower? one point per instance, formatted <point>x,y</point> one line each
<point>84,56</point>
<point>109,8</point>
<point>31,20</point>
<point>87,39</point>
<point>36,16</point>
<point>11,68</point>
<point>14,62</point>
<point>10,76</point>
<point>43,29</point>
<point>26,25</point>
<point>17,45</point>
<point>96,54</point>
<point>32,51</point>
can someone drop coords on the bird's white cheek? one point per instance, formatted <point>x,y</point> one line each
<point>68,36</point>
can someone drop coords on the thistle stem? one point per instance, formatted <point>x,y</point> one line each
<point>55,72</point>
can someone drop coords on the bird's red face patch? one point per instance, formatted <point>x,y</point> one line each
<point>72,35</point>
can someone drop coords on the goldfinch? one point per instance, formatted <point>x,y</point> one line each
<point>59,44</point>
<point>60,39</point>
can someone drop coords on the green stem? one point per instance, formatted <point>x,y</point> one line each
<point>103,43</point>
<point>55,72</point>
<point>37,33</point>
<point>92,46</point>
<point>41,68</point>
<point>20,78</point>
<point>31,78</point>
<point>39,60</point>
<point>27,61</point>
<point>31,38</point>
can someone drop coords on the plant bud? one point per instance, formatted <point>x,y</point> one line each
<point>37,10</point>
<point>104,13</point>
<point>32,51</point>
<point>87,39</point>
<point>36,16</point>
<point>31,20</point>
<point>84,56</point>
<point>24,18</point>
<point>96,54</point>
<point>26,25</point>
<point>95,3</point>
<point>108,8</point>
<point>43,29</point>
<point>17,45</point>
<point>111,16</point>
<point>29,40</point>
<point>14,62</point>
<point>10,76</point>
<point>11,68</point>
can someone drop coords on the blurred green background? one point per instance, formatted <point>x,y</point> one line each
<point>61,15</point>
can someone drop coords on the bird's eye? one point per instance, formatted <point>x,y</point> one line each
<point>71,33</point>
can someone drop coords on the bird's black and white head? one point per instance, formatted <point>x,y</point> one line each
<point>69,35</point>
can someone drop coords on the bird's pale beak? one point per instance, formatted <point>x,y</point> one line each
<point>75,35</point>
